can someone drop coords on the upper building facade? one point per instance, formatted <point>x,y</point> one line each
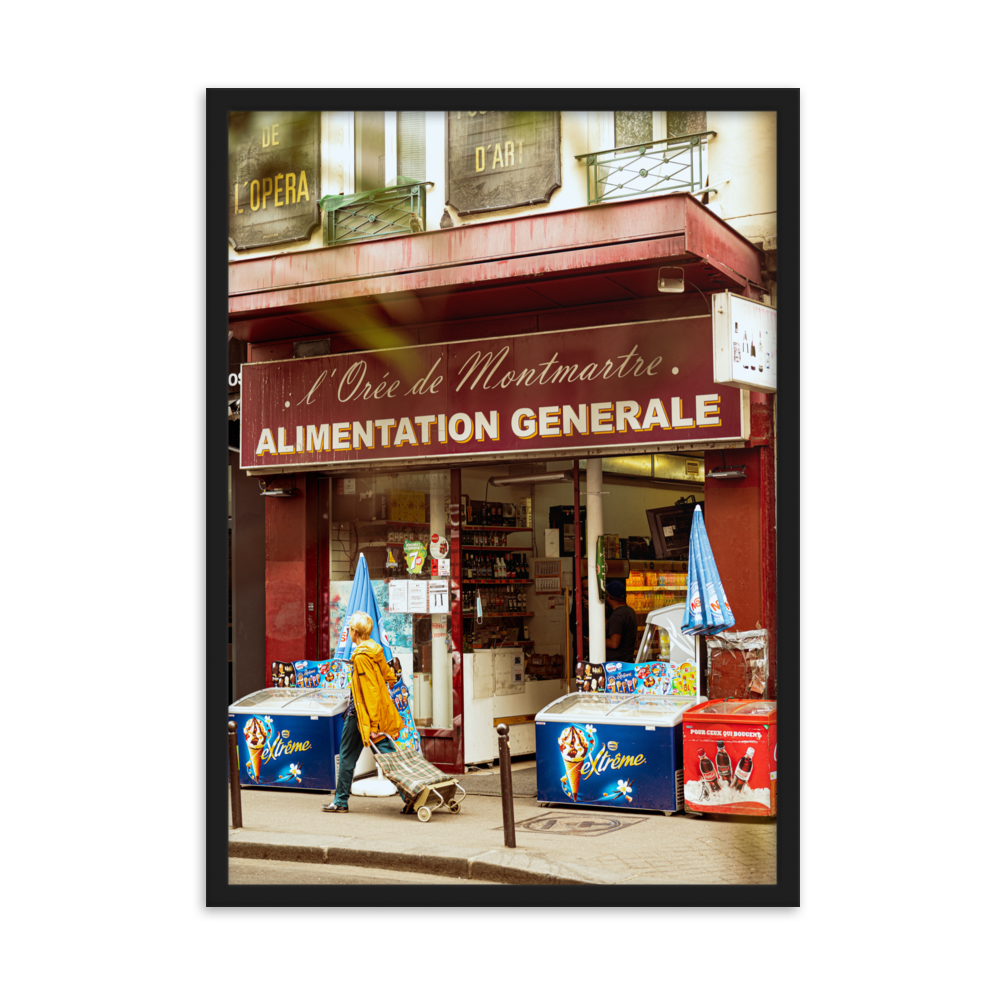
<point>311,180</point>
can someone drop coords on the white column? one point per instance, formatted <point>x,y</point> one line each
<point>595,527</point>
<point>441,670</point>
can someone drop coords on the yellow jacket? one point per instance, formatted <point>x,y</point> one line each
<point>369,685</point>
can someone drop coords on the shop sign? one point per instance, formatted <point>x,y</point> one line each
<point>274,164</point>
<point>501,159</point>
<point>745,334</point>
<point>637,385</point>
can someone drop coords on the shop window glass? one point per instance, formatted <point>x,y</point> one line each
<point>392,519</point>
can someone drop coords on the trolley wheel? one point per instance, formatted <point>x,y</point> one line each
<point>455,806</point>
<point>423,814</point>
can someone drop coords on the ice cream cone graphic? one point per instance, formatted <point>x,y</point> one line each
<point>255,754</point>
<point>573,747</point>
<point>256,737</point>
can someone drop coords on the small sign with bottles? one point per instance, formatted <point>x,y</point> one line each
<point>745,343</point>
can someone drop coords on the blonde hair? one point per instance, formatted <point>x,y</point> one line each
<point>361,623</point>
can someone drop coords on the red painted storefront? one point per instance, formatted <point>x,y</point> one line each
<point>553,271</point>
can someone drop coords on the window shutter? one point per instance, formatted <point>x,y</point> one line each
<point>411,144</point>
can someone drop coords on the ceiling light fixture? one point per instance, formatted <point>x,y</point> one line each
<point>542,477</point>
<point>728,472</point>
<point>676,285</point>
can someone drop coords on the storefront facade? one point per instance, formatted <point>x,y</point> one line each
<point>390,383</point>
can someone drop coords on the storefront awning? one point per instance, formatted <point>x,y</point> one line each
<point>597,254</point>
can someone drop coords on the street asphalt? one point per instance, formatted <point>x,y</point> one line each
<point>555,845</point>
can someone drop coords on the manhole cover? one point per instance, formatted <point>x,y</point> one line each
<point>588,825</point>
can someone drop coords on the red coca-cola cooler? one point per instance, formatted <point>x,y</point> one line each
<point>731,757</point>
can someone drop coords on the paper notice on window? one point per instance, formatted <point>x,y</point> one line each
<point>416,597</point>
<point>398,601</point>
<point>438,595</point>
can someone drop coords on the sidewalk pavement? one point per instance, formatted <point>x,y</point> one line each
<point>564,845</point>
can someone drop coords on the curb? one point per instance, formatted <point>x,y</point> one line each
<point>509,866</point>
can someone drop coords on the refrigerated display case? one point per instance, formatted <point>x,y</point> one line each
<point>612,750</point>
<point>731,757</point>
<point>289,737</point>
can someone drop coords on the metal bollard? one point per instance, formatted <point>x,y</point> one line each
<point>234,777</point>
<point>506,787</point>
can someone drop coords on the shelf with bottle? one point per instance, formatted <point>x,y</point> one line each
<point>494,548</point>
<point>504,599</point>
<point>502,528</point>
<point>505,614</point>
<point>404,524</point>
<point>510,568</point>
<point>634,590</point>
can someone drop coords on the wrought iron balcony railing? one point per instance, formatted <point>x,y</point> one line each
<point>369,215</point>
<point>659,167</point>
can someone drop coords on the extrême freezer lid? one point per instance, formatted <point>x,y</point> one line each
<point>621,709</point>
<point>292,701</point>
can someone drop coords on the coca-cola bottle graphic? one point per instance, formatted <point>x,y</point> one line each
<point>723,764</point>
<point>746,351</point>
<point>753,354</point>
<point>736,343</point>
<point>708,775</point>
<point>743,769</point>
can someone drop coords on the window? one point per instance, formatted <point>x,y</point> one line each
<point>650,155</point>
<point>633,127</point>
<point>411,144</point>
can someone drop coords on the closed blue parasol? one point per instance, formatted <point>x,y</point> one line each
<point>362,599</point>
<point>707,611</point>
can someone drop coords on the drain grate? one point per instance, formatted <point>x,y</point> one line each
<point>578,825</point>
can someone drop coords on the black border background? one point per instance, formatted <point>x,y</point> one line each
<point>218,891</point>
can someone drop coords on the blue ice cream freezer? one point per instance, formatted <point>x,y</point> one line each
<point>613,750</point>
<point>289,737</point>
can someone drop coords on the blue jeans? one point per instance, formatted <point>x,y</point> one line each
<point>351,746</point>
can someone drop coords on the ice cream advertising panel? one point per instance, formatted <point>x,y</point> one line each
<point>292,751</point>
<point>289,738</point>
<point>730,758</point>
<point>595,764</point>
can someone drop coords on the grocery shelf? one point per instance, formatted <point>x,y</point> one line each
<point>495,548</point>
<point>401,524</point>
<point>506,614</point>
<point>635,590</point>
<point>492,527</point>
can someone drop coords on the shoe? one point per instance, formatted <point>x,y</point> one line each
<point>332,807</point>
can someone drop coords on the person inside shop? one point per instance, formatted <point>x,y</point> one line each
<point>585,599</point>
<point>623,626</point>
<point>371,715</point>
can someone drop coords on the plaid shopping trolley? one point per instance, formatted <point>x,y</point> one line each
<point>425,787</point>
